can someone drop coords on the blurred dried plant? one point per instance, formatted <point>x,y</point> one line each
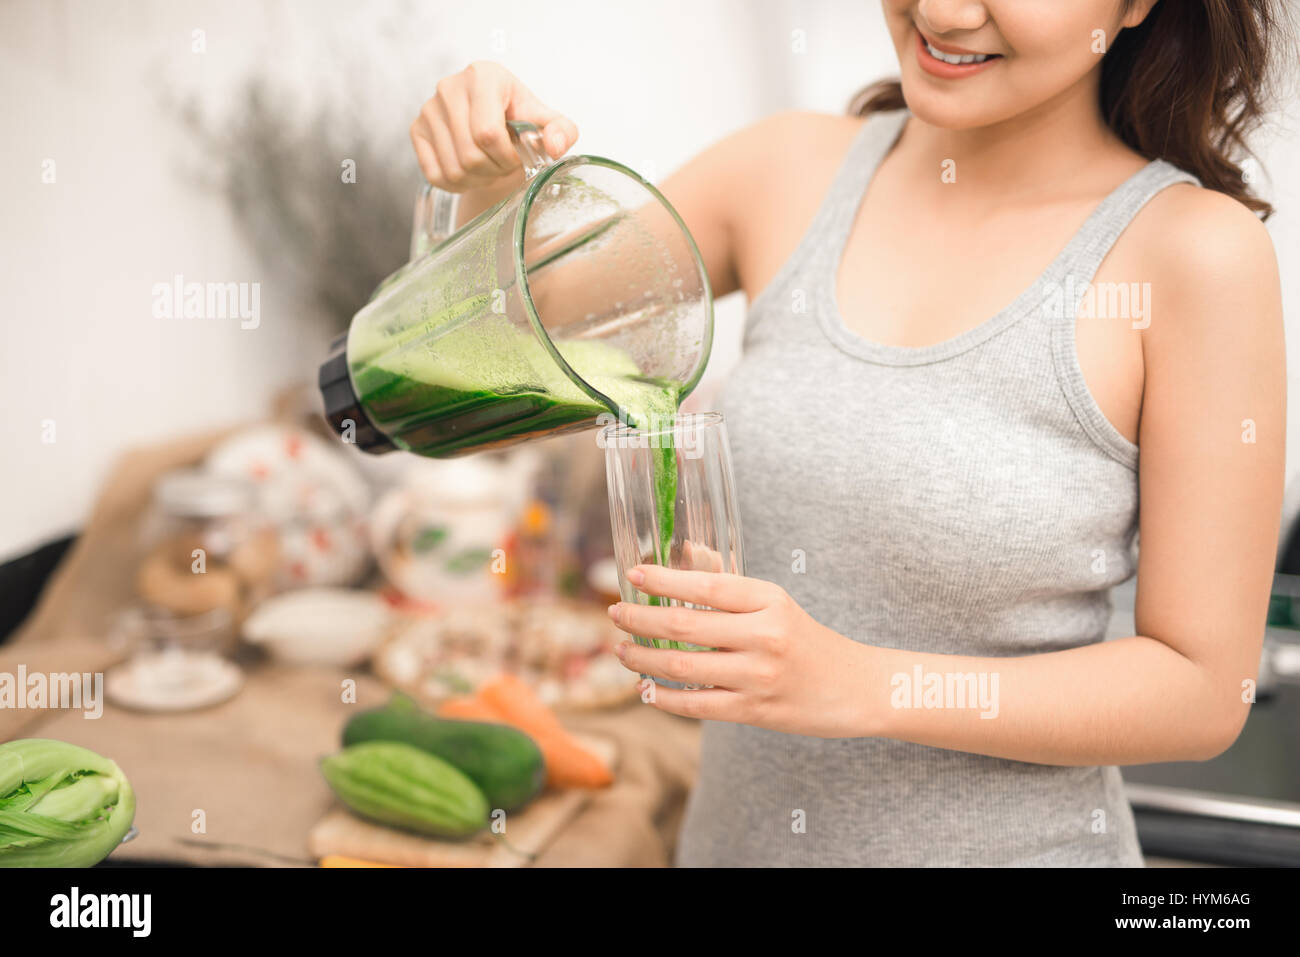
<point>284,179</point>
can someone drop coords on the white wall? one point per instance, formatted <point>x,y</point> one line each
<point>82,83</point>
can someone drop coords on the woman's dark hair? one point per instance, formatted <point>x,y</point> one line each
<point>1187,85</point>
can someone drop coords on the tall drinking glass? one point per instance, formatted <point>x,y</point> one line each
<point>672,502</point>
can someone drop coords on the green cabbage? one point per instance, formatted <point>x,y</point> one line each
<point>60,805</point>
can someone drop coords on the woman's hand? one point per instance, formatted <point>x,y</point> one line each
<point>460,136</point>
<point>774,666</point>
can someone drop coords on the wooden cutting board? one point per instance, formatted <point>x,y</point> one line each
<point>527,832</point>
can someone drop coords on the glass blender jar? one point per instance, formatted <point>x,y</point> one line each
<point>580,296</point>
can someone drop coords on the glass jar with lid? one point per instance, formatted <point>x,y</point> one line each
<point>207,559</point>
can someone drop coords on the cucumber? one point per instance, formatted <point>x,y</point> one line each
<point>504,762</point>
<point>394,783</point>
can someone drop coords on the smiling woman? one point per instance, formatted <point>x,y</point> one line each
<point>939,440</point>
<point>1185,82</point>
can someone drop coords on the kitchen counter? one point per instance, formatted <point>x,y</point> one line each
<point>238,783</point>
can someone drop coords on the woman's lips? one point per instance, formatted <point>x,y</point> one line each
<point>948,71</point>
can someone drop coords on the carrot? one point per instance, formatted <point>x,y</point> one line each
<point>470,709</point>
<point>568,763</point>
<point>511,696</point>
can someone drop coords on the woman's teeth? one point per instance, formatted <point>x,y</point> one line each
<point>954,58</point>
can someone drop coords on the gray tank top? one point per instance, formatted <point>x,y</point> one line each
<point>964,498</point>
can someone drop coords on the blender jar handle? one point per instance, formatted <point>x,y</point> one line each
<point>435,209</point>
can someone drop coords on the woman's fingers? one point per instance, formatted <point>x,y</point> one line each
<point>444,148</point>
<point>721,669</point>
<point>723,591</point>
<point>712,629</point>
<point>709,704</point>
<point>422,140</point>
<point>478,166</point>
<point>486,119</point>
<point>460,137</point>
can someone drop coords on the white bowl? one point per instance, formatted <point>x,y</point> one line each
<point>338,626</point>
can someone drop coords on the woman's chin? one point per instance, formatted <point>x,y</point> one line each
<point>948,109</point>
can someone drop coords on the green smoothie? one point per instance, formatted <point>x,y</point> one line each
<point>492,385</point>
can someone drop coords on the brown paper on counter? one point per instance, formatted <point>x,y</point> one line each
<point>238,783</point>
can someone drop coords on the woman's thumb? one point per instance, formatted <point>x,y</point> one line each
<point>560,134</point>
<point>558,131</point>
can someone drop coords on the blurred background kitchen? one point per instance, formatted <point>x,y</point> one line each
<point>266,143</point>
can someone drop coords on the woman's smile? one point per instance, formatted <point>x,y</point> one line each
<point>949,62</point>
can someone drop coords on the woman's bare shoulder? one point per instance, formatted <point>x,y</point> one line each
<point>1213,272</point>
<point>824,128</point>
<point>1188,232</point>
<point>745,197</point>
<point>795,139</point>
<point>788,160</point>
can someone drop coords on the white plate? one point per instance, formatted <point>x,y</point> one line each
<point>338,626</point>
<point>173,681</point>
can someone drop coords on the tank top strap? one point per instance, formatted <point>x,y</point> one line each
<point>1067,281</point>
<point>877,137</point>
<point>831,224</point>
<point>1083,255</point>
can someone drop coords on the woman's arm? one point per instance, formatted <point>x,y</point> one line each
<point>1211,476</point>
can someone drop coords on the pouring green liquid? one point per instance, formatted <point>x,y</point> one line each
<point>463,393</point>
